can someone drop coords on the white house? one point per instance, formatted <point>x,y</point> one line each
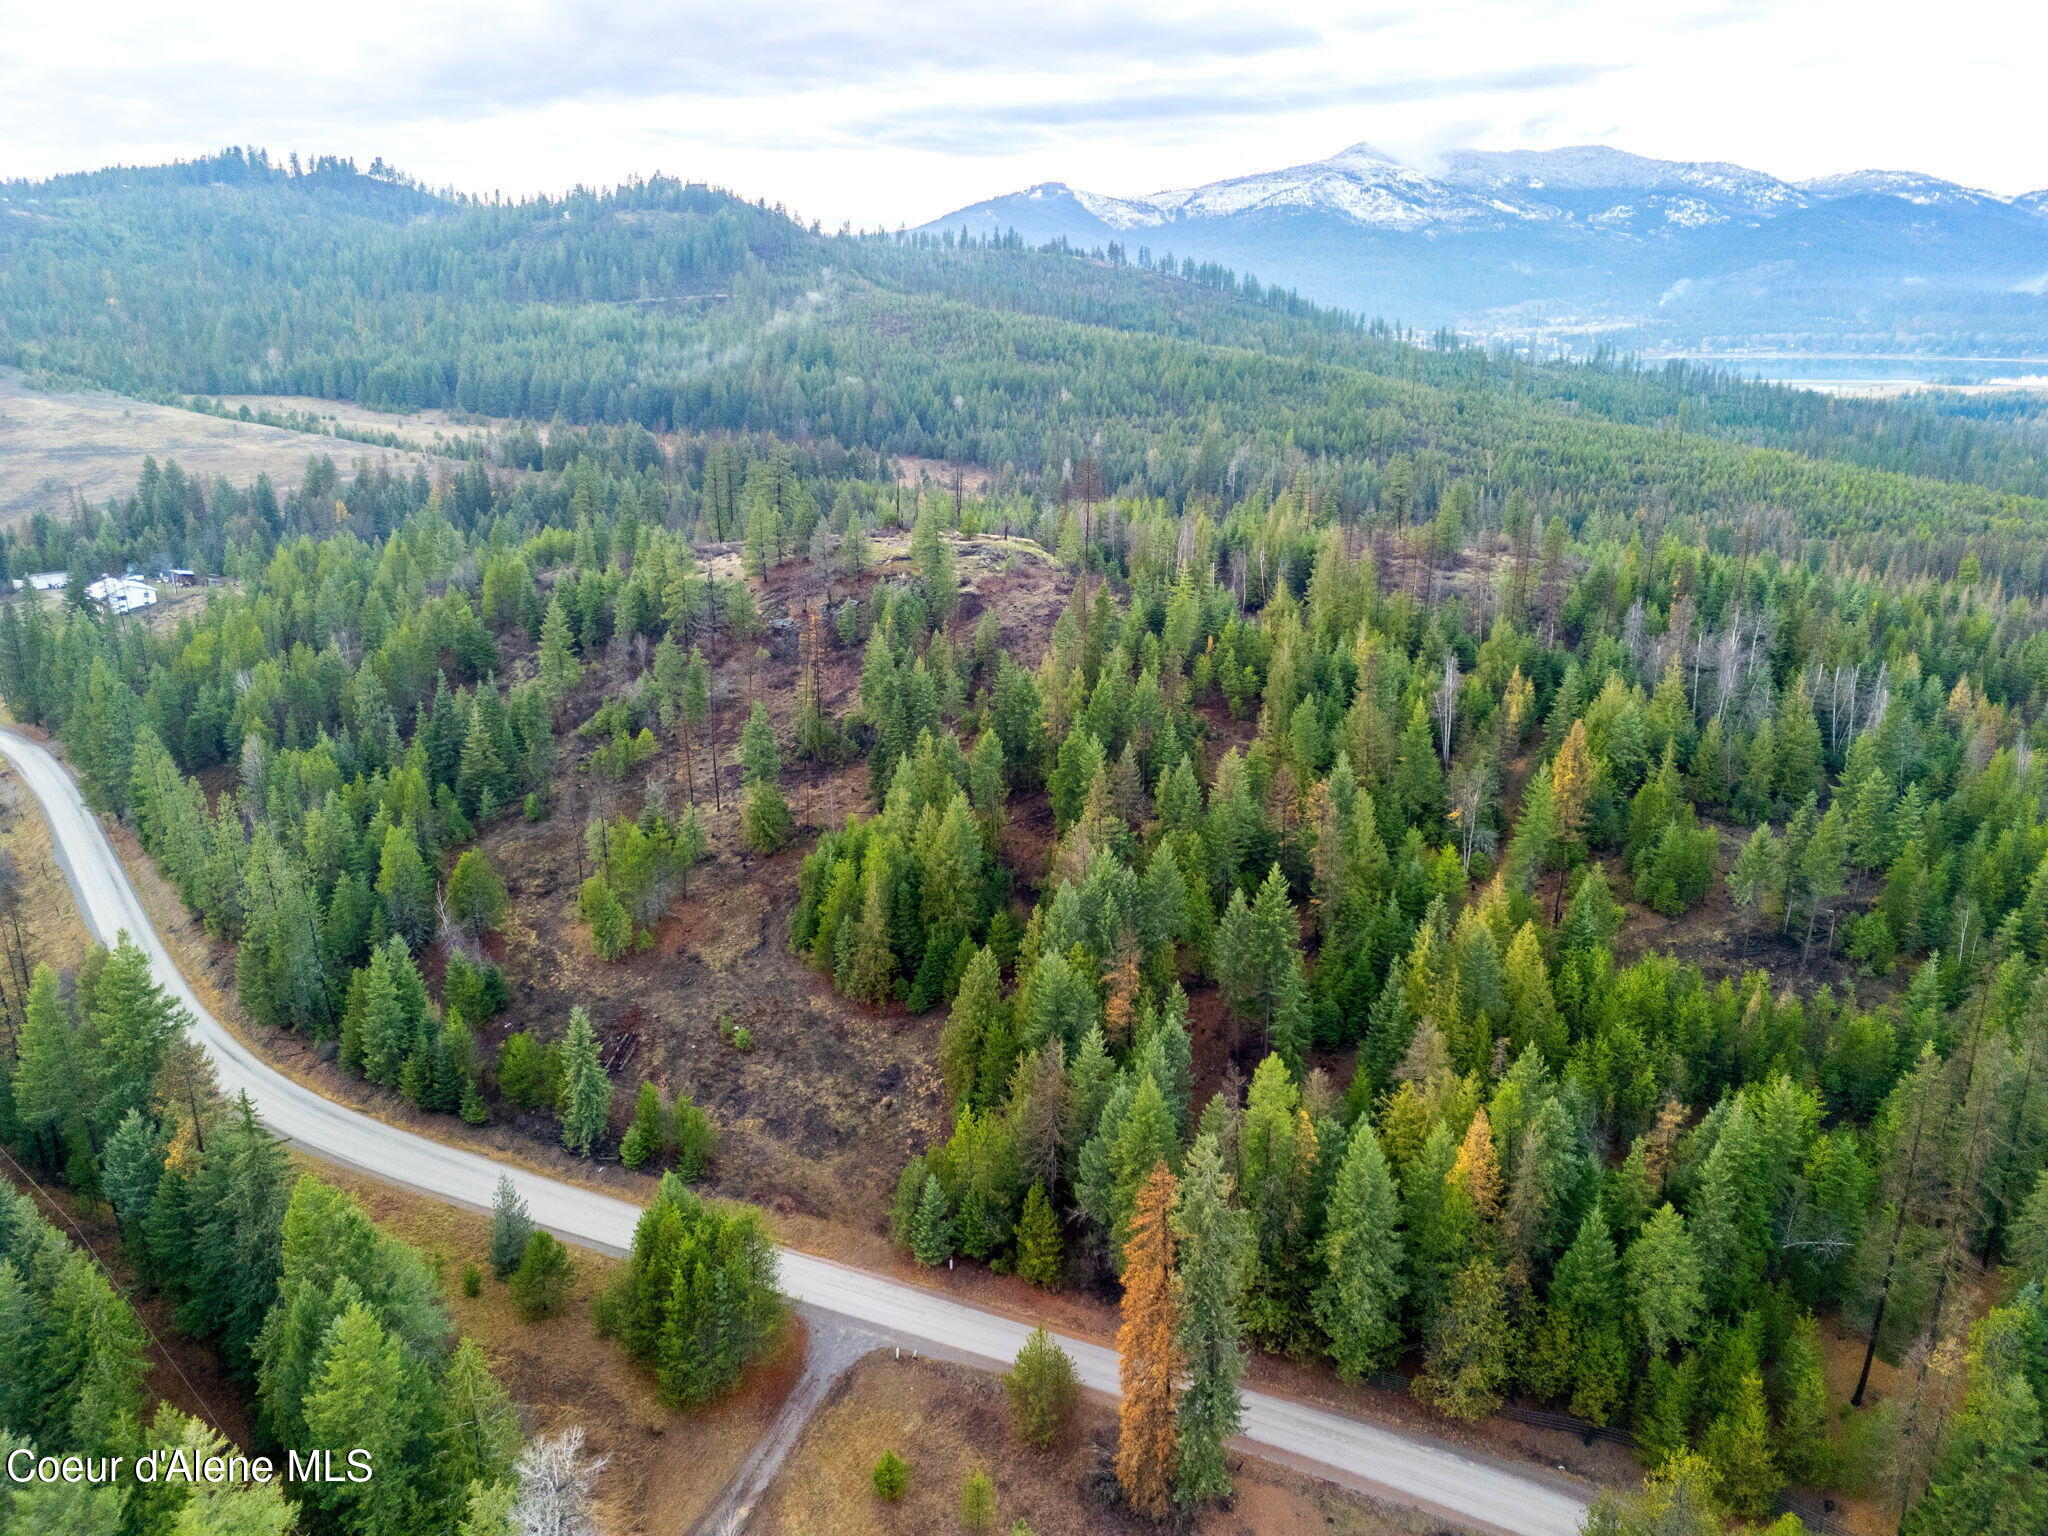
<point>121,594</point>
<point>46,581</point>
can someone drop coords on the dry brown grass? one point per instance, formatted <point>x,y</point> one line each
<point>946,1420</point>
<point>57,444</point>
<point>56,933</point>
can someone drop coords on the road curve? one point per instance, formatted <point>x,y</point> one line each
<point>1408,1469</point>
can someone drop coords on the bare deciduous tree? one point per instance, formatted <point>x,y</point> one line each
<point>555,1482</point>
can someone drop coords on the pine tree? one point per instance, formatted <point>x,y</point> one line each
<point>133,1024</point>
<point>867,968</point>
<point>1755,874</point>
<point>1663,1282</point>
<point>1276,1156</point>
<point>693,1140</point>
<point>51,1073</point>
<point>1468,1369</point>
<point>1800,1387</point>
<point>480,1426</point>
<point>611,926</point>
<point>1043,1389</point>
<point>1676,1500</point>
<point>1258,960</point>
<point>1041,1249</point>
<point>1738,1445</point>
<point>977,1008</point>
<point>1214,1246</point>
<point>1581,1331</point>
<point>931,1229</point>
<point>407,887</point>
<point>541,1282</point>
<point>476,896</point>
<point>132,1165</point>
<point>585,1106</point>
<point>361,1399</point>
<point>978,1501</point>
<point>1147,1344</point>
<point>1358,1303</point>
<point>1145,1137</point>
<point>647,1134</point>
<point>1990,1477</point>
<point>1571,787</point>
<point>890,1478</point>
<point>483,782</point>
<point>765,820</point>
<point>559,666</point>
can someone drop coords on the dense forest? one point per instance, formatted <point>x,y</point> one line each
<point>1411,720</point>
<point>336,1331</point>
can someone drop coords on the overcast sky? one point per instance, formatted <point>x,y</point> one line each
<point>879,113</point>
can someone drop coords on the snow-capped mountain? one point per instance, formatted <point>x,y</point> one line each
<point>1600,184</point>
<point>1360,183</point>
<point>1909,186</point>
<point>1591,237</point>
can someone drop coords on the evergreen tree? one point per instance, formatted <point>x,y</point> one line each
<point>1990,1476</point>
<point>407,888</point>
<point>480,1426</point>
<point>1663,1282</point>
<point>1041,1250</point>
<point>648,1133</point>
<point>559,666</point>
<point>51,1070</point>
<point>476,896</point>
<point>362,1399</point>
<point>1800,1388</point>
<point>510,1228</point>
<point>978,1009</point>
<point>931,1229</point>
<point>1468,1367</point>
<point>1738,1445</point>
<point>541,1282</point>
<point>1358,1301</point>
<point>1258,960</point>
<point>1580,1351</point>
<point>1043,1390</point>
<point>585,1106</point>
<point>1213,1244</point>
<point>890,1478</point>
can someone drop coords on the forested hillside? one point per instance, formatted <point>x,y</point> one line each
<point>1522,881</point>
<point>674,306</point>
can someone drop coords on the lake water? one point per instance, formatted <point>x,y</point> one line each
<point>1876,373</point>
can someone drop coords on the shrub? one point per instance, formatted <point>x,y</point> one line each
<point>472,1280</point>
<point>891,1477</point>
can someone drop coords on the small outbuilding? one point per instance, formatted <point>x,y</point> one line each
<point>121,594</point>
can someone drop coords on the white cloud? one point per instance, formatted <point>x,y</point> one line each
<point>892,112</point>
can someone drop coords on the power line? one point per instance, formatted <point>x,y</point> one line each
<point>86,1243</point>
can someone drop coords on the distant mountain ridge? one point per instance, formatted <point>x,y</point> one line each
<point>1595,241</point>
